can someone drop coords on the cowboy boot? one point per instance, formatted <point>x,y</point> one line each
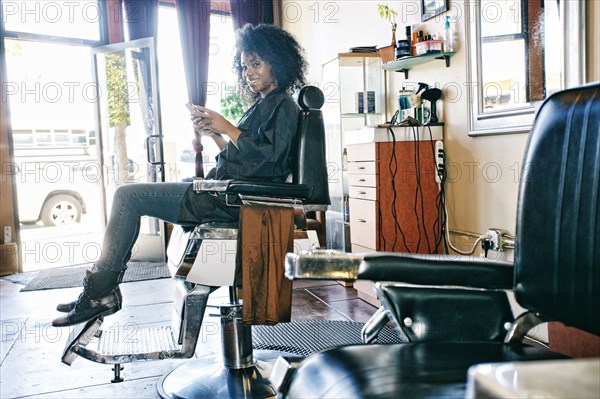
<point>67,307</point>
<point>98,298</point>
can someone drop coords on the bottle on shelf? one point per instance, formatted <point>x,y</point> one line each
<point>414,39</point>
<point>345,159</point>
<point>404,47</point>
<point>448,36</point>
<point>346,209</point>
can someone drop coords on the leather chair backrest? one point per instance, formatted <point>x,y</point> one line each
<point>309,163</point>
<point>557,256</point>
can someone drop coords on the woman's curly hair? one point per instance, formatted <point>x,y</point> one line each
<point>279,48</point>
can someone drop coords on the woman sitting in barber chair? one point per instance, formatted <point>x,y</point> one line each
<point>270,64</point>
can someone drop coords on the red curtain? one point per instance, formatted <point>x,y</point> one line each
<point>251,11</point>
<point>141,18</point>
<point>194,30</point>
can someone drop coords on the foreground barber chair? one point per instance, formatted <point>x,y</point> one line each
<point>453,312</point>
<point>241,372</point>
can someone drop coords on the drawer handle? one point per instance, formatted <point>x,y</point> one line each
<point>361,168</point>
<point>362,192</point>
<point>362,179</point>
<point>362,220</point>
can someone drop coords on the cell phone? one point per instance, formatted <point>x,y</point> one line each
<point>190,107</point>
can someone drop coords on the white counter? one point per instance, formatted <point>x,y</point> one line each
<point>569,378</point>
<point>379,134</point>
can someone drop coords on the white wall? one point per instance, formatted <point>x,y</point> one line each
<point>483,171</point>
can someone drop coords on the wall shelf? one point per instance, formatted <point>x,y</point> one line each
<point>406,63</point>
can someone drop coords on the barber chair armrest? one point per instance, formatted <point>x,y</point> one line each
<point>437,270</point>
<point>322,265</point>
<point>269,189</point>
<point>210,185</point>
<point>255,188</point>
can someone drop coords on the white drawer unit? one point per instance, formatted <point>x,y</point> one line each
<point>384,192</point>
<point>362,167</point>
<point>363,180</point>
<point>369,193</point>
<point>361,152</point>
<point>363,222</point>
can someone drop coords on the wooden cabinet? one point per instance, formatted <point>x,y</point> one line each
<point>393,193</point>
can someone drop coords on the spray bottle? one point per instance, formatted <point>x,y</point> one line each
<point>448,36</point>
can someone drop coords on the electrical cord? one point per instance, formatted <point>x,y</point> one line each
<point>469,252</point>
<point>445,230</point>
<point>381,235</point>
<point>418,188</point>
<point>393,171</point>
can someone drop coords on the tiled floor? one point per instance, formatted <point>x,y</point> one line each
<point>30,350</point>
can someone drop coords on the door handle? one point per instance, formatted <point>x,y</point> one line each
<point>152,156</point>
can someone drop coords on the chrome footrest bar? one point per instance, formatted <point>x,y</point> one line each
<point>123,345</point>
<point>323,265</point>
<point>131,344</point>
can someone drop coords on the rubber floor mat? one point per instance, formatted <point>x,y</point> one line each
<point>66,277</point>
<point>305,337</point>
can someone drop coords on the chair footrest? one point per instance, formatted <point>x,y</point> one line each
<point>135,341</point>
<point>124,344</point>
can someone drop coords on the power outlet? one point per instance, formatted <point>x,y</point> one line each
<point>439,161</point>
<point>499,240</point>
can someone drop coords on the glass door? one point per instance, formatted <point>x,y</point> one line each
<point>58,181</point>
<point>129,128</point>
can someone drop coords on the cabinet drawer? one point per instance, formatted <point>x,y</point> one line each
<point>363,220</point>
<point>368,193</point>
<point>361,152</point>
<point>362,180</point>
<point>359,249</point>
<point>362,168</point>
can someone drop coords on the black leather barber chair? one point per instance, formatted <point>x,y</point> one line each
<point>454,312</point>
<point>241,372</point>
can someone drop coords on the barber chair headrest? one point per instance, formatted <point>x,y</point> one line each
<point>310,97</point>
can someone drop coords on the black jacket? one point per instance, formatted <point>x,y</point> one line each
<point>263,152</point>
<point>264,147</point>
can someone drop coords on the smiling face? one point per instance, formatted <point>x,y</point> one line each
<point>257,73</point>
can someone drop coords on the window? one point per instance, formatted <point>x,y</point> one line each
<point>60,18</point>
<point>176,124</point>
<point>504,37</point>
<point>518,57</point>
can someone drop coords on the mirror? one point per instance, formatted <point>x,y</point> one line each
<point>519,53</point>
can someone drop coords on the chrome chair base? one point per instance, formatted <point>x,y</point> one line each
<point>209,378</point>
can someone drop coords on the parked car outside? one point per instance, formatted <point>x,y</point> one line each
<point>57,193</point>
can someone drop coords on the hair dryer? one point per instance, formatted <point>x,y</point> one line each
<point>432,95</point>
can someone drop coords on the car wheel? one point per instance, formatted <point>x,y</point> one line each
<point>61,210</point>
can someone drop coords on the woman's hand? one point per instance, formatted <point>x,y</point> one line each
<point>212,124</point>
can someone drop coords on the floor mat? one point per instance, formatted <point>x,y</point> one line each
<point>305,337</point>
<point>66,277</point>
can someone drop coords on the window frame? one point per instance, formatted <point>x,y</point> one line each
<point>519,120</point>
<point>22,35</point>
